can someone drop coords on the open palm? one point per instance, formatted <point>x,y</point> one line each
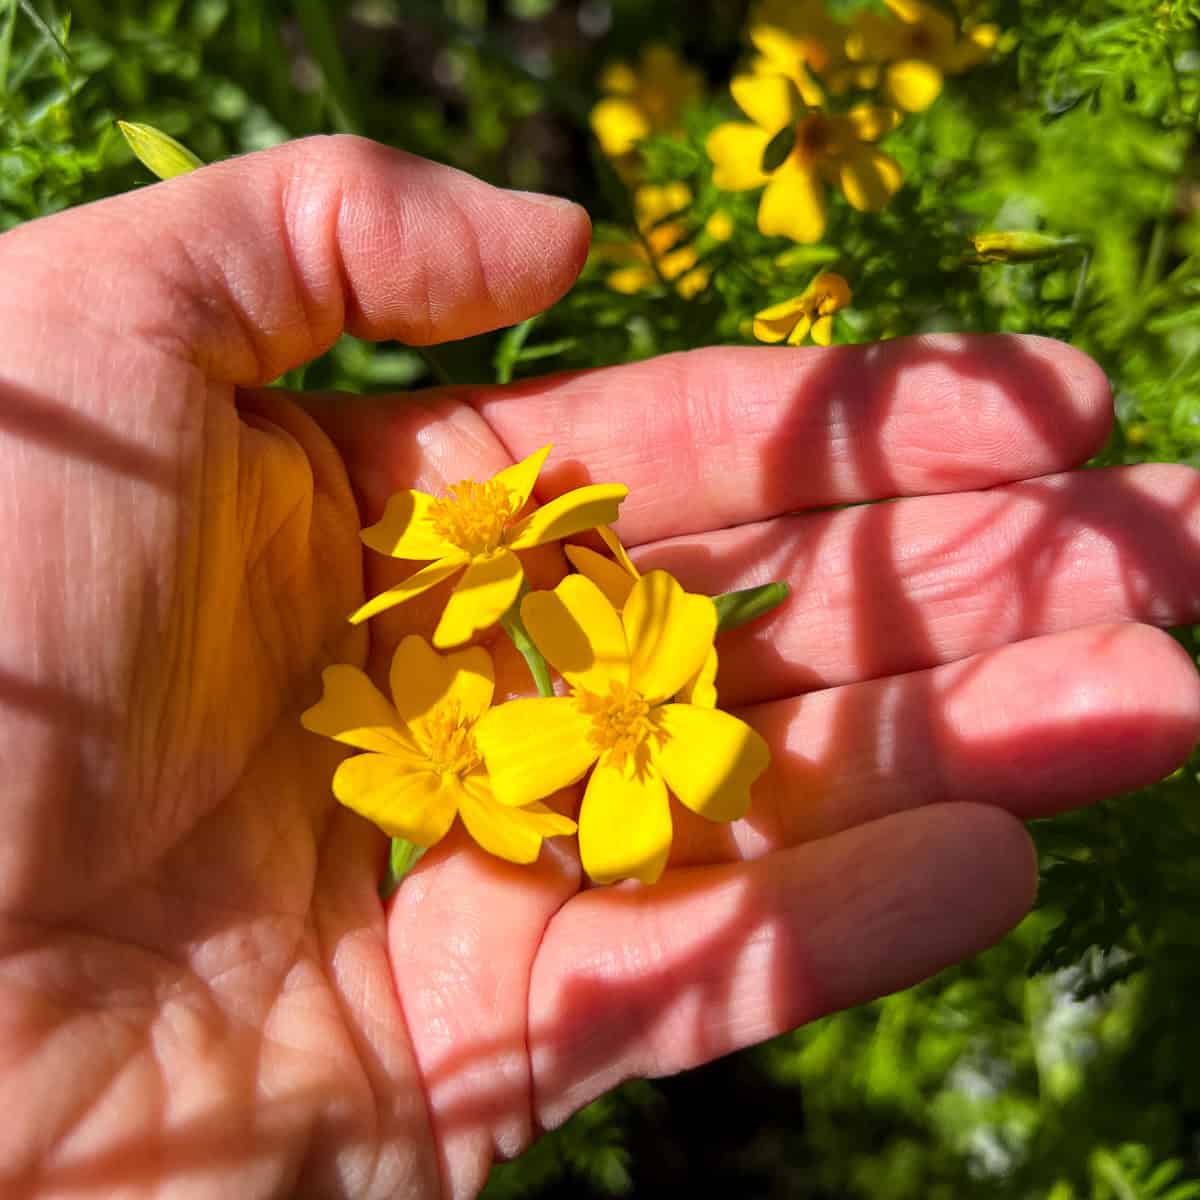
<point>200,992</point>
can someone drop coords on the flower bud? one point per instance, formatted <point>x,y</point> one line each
<point>1018,246</point>
<point>157,151</point>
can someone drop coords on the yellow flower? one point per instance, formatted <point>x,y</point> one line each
<point>657,255</point>
<point>920,46</point>
<point>475,529</point>
<point>422,767</point>
<point>824,148</point>
<point>810,312</point>
<point>615,577</point>
<point>643,101</point>
<point>719,226</point>
<point>620,722</point>
<point>794,35</point>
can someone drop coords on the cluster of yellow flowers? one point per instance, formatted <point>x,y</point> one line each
<point>636,713</point>
<point>796,145</point>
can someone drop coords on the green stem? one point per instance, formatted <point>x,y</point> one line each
<point>320,37</point>
<point>402,857</point>
<point>512,624</point>
<point>1080,287</point>
<point>6,37</point>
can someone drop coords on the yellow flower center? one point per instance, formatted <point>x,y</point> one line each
<point>449,741</point>
<point>473,515</point>
<point>623,722</point>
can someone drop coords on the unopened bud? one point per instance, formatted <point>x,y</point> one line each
<point>157,151</point>
<point>1020,246</point>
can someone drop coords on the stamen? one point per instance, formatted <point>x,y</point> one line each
<point>623,723</point>
<point>448,739</point>
<point>473,515</point>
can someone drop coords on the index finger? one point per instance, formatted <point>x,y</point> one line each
<point>728,435</point>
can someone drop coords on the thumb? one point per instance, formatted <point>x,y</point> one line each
<point>255,265</point>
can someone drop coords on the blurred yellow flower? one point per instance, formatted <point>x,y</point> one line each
<point>475,529</point>
<point>795,35</point>
<point>621,723</point>
<point>920,45</point>
<point>421,766</point>
<point>795,150</point>
<point>656,254</point>
<point>810,312</point>
<point>643,101</point>
<point>719,226</point>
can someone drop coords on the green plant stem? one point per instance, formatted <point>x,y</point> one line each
<point>320,36</point>
<point>512,624</point>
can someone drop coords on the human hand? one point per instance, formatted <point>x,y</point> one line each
<point>200,992</point>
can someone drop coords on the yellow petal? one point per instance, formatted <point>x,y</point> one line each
<point>701,689</point>
<point>612,580</point>
<point>405,530</point>
<point>870,178</point>
<point>736,150</point>
<point>577,628</point>
<point>534,747</point>
<point>913,85</point>
<point>520,477</point>
<point>709,759</point>
<point>793,204</point>
<point>631,280</point>
<point>573,512</point>
<point>770,101</point>
<point>822,331</point>
<point>353,710</point>
<point>486,591</point>
<point>669,633</point>
<point>977,46</point>
<point>514,834</point>
<point>801,331</point>
<point>613,542</point>
<point>414,585</point>
<point>624,825</point>
<point>775,323</point>
<point>421,679</point>
<point>871,121</point>
<point>619,125</point>
<point>415,804</point>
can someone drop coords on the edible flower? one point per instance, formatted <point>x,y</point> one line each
<point>476,530</point>
<point>643,100</point>
<point>920,46</point>
<point>810,312</point>
<point>620,722</point>
<point>421,767</point>
<point>794,151</point>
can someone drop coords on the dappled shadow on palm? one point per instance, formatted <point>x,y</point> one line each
<point>598,1016</point>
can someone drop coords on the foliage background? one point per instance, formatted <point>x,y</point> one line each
<point>1062,1064</point>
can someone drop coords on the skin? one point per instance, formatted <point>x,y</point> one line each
<point>200,993</point>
